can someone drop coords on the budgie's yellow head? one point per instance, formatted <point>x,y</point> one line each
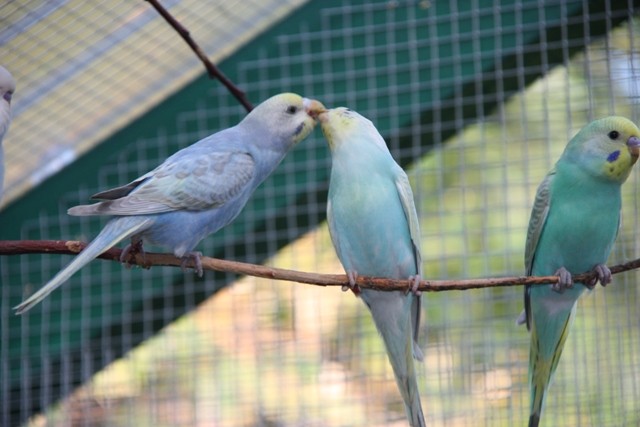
<point>284,117</point>
<point>344,126</point>
<point>607,147</point>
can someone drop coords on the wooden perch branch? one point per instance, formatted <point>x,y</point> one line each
<point>17,247</point>
<point>214,72</point>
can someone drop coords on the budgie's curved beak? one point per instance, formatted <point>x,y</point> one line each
<point>634,147</point>
<point>313,108</point>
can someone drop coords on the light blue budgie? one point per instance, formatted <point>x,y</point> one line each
<point>375,231</point>
<point>7,87</point>
<point>574,223</point>
<point>196,191</point>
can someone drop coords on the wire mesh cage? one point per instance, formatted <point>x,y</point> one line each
<point>475,99</point>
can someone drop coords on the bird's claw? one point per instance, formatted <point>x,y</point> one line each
<point>130,252</point>
<point>353,277</point>
<point>197,262</point>
<point>565,281</point>
<point>414,285</point>
<point>603,275</point>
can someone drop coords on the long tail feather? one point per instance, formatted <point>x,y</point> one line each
<point>115,231</point>
<point>534,420</point>
<point>543,359</point>
<point>397,334</point>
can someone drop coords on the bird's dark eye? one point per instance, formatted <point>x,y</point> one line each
<point>292,109</point>
<point>614,134</point>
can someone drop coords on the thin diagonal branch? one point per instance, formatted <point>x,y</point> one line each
<point>17,247</point>
<point>214,72</point>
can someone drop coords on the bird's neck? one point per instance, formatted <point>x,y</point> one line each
<point>355,154</point>
<point>576,179</point>
<point>266,158</point>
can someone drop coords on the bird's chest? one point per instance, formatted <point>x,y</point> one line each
<point>367,207</point>
<point>369,227</point>
<point>578,234</point>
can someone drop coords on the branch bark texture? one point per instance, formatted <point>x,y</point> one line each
<point>71,247</point>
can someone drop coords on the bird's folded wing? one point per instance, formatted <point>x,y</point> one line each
<point>408,205</point>
<point>538,218</point>
<point>190,183</point>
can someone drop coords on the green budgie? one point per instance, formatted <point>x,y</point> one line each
<point>375,231</point>
<point>573,225</point>
<point>197,190</point>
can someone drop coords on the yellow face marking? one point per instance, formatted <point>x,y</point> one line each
<point>337,121</point>
<point>304,129</point>
<point>608,138</point>
<point>618,164</point>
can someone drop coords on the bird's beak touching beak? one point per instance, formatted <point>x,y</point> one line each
<point>313,108</point>
<point>634,147</point>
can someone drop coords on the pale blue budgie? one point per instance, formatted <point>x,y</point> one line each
<point>375,231</point>
<point>7,87</point>
<point>574,223</point>
<point>196,191</point>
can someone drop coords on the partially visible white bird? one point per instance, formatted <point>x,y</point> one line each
<point>7,87</point>
<point>196,191</point>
